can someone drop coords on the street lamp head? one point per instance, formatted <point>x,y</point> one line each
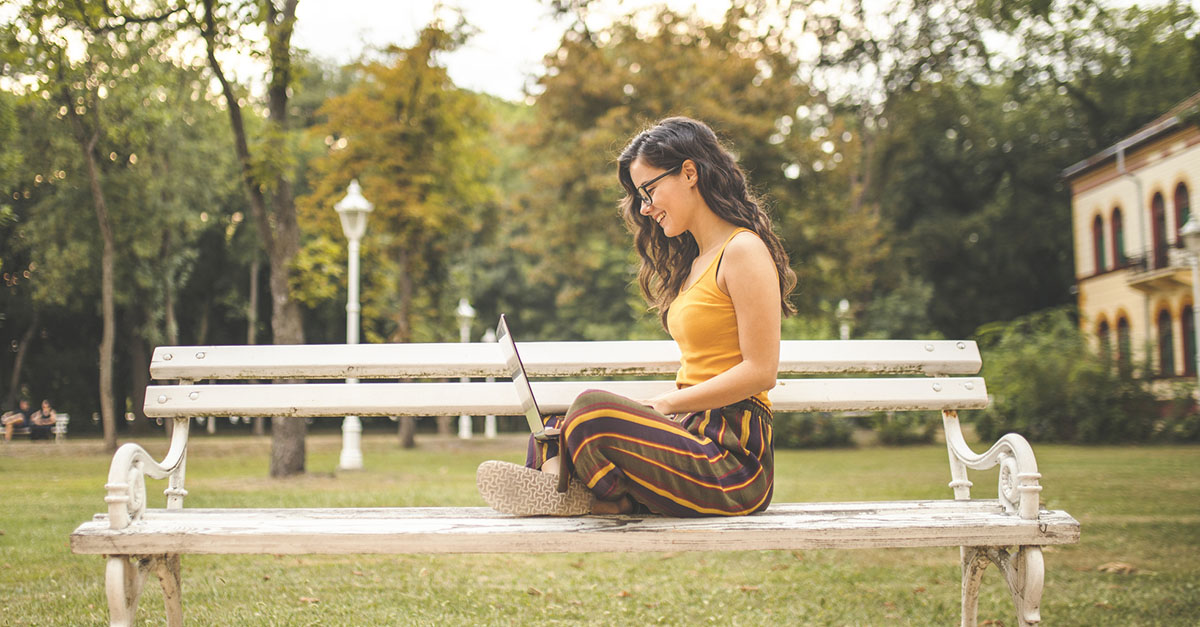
<point>353,210</point>
<point>465,311</point>
<point>1190,232</point>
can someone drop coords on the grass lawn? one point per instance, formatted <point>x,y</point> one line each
<point>1138,562</point>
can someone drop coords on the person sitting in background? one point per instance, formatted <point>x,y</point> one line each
<point>16,418</point>
<point>41,423</point>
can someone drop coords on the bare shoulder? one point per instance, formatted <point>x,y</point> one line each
<point>747,248</point>
<point>747,262</point>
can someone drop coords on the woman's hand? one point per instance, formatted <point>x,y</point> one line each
<point>661,404</point>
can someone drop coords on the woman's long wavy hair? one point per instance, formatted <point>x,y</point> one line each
<point>666,261</point>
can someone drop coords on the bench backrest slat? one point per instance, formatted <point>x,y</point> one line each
<point>544,359</point>
<point>478,398</point>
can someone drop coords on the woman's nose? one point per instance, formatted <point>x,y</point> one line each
<point>646,207</point>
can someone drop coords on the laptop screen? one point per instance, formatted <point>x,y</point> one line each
<point>508,348</point>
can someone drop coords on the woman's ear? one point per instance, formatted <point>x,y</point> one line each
<point>689,172</point>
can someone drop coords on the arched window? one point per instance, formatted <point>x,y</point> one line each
<point>1098,244</point>
<point>1188,322</point>
<point>1124,344</point>
<point>1105,335</point>
<point>1166,344</point>
<point>1158,218</point>
<point>1118,237</point>
<point>1183,209</point>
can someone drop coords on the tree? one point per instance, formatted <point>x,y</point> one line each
<point>601,87</point>
<point>39,41</point>
<point>267,172</point>
<point>417,144</point>
<point>159,174</point>
<point>967,140</point>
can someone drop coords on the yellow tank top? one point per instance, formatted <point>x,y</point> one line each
<point>702,322</point>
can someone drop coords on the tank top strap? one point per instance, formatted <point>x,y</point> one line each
<point>721,255</point>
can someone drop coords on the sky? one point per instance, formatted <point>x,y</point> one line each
<point>513,35</point>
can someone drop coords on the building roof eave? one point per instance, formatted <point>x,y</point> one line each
<point>1146,134</point>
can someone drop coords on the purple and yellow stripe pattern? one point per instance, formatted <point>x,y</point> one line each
<point>714,463</point>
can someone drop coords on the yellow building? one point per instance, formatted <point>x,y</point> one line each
<point>1134,278</point>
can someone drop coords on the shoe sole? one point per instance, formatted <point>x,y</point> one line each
<point>520,491</point>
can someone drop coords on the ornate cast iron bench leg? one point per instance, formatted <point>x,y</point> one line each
<point>1024,571</point>
<point>125,577</point>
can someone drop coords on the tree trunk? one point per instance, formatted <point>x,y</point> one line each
<point>107,261</point>
<point>287,436</point>
<point>139,360</point>
<point>278,231</point>
<point>108,307</point>
<point>403,332</point>
<point>14,382</point>
<point>407,432</point>
<point>252,327</point>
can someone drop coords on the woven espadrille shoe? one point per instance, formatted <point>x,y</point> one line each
<point>512,489</point>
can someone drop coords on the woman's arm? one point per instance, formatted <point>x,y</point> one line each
<point>747,273</point>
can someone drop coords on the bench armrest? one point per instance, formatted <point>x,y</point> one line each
<point>1018,487</point>
<point>126,486</point>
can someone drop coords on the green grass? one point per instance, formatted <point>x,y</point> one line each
<point>1138,506</point>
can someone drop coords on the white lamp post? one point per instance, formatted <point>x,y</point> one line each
<point>353,210</point>
<point>465,314</point>
<point>843,315</point>
<point>1190,232</point>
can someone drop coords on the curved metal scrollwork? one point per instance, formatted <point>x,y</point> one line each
<point>1010,495</point>
<point>131,465</point>
<point>1018,483</point>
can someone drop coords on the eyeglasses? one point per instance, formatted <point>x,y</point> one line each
<point>643,193</point>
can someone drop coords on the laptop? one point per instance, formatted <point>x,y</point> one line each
<point>512,358</point>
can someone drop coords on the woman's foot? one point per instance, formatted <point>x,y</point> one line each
<point>620,506</point>
<point>513,489</point>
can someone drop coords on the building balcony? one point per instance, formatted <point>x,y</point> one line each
<point>1174,271</point>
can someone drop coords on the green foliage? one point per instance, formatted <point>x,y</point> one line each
<point>1179,418</point>
<point>319,270</point>
<point>1049,385</point>
<point>900,313</point>
<point>601,88</point>
<point>418,146</point>
<point>811,430</point>
<point>907,428</point>
<point>972,110</point>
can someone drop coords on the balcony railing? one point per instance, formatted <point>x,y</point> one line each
<point>1169,268</point>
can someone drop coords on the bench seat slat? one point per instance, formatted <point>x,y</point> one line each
<point>481,530</point>
<point>544,359</point>
<point>499,398</point>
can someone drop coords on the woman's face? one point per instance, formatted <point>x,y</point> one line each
<point>668,207</point>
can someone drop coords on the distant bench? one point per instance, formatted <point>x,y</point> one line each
<point>214,381</point>
<point>58,429</point>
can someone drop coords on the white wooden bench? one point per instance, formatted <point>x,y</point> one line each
<point>58,429</point>
<point>213,381</point>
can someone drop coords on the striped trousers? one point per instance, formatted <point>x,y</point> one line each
<point>718,462</point>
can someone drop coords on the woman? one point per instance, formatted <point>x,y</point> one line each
<point>41,423</point>
<point>719,277</point>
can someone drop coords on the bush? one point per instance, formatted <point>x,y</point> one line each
<point>811,430</point>
<point>1049,385</point>
<point>907,428</point>
<point>1180,420</point>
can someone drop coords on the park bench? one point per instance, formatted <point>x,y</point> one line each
<point>389,380</point>
<point>59,429</point>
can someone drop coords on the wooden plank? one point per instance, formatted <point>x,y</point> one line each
<point>433,399</point>
<point>480,530</point>
<point>981,506</point>
<point>544,359</point>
